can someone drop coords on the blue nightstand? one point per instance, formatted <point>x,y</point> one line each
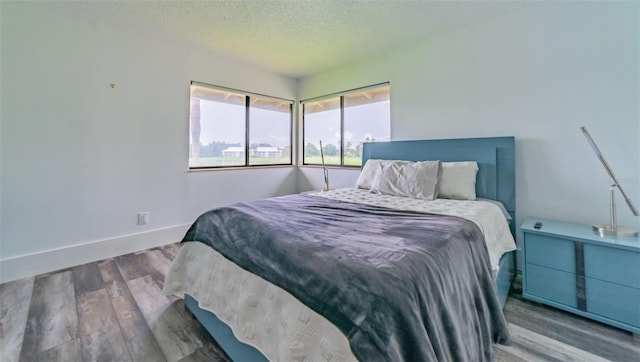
<point>569,266</point>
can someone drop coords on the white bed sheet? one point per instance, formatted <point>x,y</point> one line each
<point>272,320</point>
<point>259,313</point>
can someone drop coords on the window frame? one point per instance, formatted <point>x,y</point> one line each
<point>247,129</point>
<point>341,96</point>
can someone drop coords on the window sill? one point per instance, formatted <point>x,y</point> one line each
<point>333,167</point>
<point>237,168</point>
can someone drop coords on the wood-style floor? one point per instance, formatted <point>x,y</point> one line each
<point>114,310</point>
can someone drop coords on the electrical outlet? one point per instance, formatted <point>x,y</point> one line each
<point>143,218</point>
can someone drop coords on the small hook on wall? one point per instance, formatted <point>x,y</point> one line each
<point>113,85</point>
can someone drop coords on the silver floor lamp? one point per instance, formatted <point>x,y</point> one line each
<point>325,172</point>
<point>612,228</point>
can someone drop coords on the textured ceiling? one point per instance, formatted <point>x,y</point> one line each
<point>298,38</point>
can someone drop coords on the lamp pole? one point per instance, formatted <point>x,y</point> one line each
<point>611,229</point>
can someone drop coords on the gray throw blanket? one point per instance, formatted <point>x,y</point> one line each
<point>401,286</point>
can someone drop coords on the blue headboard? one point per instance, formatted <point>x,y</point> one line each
<point>496,177</point>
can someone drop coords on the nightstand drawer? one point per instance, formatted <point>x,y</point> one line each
<point>569,266</point>
<point>612,265</point>
<point>613,301</point>
<point>550,252</point>
<point>551,284</point>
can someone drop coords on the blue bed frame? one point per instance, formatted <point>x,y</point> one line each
<point>495,180</point>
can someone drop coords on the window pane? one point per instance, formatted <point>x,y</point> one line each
<point>269,131</point>
<point>217,128</point>
<point>366,119</point>
<point>322,123</point>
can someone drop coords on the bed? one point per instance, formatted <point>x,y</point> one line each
<point>257,318</point>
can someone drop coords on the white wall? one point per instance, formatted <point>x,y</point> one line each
<point>538,74</point>
<point>80,159</point>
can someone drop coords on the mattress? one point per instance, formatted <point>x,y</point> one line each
<point>272,320</point>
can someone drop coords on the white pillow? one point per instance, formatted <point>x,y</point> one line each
<point>368,173</point>
<point>458,180</point>
<point>370,169</point>
<point>409,179</point>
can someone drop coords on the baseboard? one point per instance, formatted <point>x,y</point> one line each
<point>56,259</point>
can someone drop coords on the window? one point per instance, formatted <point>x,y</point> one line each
<point>230,128</point>
<point>343,123</point>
